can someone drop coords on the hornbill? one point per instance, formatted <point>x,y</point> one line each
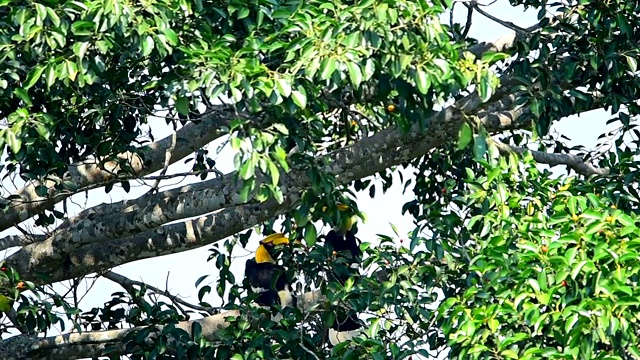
<point>346,249</point>
<point>267,278</point>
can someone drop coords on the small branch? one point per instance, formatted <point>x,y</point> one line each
<point>20,240</point>
<point>182,174</point>
<point>129,284</point>
<point>572,161</point>
<point>507,24</point>
<point>167,159</point>
<point>467,26</point>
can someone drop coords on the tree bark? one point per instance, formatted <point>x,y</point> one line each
<point>92,344</point>
<point>85,174</point>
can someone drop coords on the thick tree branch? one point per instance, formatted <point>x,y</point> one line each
<point>91,344</point>
<point>196,134</point>
<point>367,157</point>
<point>190,137</point>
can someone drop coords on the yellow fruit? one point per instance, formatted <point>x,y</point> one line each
<point>575,217</point>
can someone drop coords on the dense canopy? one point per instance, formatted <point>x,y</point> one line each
<point>315,104</point>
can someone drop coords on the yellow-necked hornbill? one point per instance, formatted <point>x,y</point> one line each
<point>267,278</point>
<point>346,249</point>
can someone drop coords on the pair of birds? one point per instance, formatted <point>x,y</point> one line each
<point>269,281</point>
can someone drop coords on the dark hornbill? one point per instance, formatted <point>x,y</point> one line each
<point>346,249</point>
<point>267,278</point>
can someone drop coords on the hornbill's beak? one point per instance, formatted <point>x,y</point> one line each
<point>275,239</point>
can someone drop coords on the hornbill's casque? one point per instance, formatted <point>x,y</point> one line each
<point>267,278</point>
<point>344,244</point>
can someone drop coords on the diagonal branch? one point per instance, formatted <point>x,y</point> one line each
<point>389,147</point>
<point>198,133</point>
<point>87,173</point>
<point>129,284</point>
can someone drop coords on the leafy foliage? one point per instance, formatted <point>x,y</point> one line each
<point>506,261</point>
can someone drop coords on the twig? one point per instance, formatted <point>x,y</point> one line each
<point>467,26</point>
<point>187,173</point>
<point>507,24</point>
<point>570,160</point>
<point>167,158</point>
<point>129,284</point>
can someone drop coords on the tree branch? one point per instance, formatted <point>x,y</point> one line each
<point>84,174</point>
<point>128,284</point>
<point>367,157</point>
<point>572,161</point>
<point>91,344</point>
<point>20,240</point>
<point>197,133</point>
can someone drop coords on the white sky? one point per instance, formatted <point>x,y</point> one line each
<point>185,268</point>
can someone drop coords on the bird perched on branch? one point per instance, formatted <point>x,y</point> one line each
<point>347,257</point>
<point>267,278</point>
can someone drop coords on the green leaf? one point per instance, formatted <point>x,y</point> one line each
<point>33,77</point>
<point>369,69</point>
<point>484,89</point>
<point>182,105</point>
<point>281,156</point>
<point>283,86</point>
<point>236,94</point>
<point>422,81</point>
<point>281,128</point>
<point>14,143</point>
<point>327,67</point>
<point>479,146</point>
<point>632,63</point>
<point>576,270</point>
<point>310,234</point>
<point>147,45</point>
<point>465,136</point>
<point>80,49</point>
<point>299,97</point>
<point>625,28</point>
<point>200,280</point>
<point>355,75</point>
<point>196,331</point>
<point>83,28</point>
<point>243,13</point>
<point>41,11</point>
<point>274,172</point>
<point>5,303</point>
<point>171,36</point>
<point>42,190</point>
<point>55,19</point>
